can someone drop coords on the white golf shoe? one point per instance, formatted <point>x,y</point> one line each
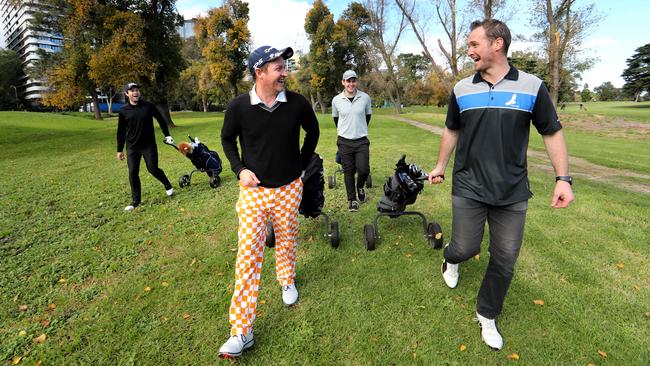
<point>290,294</point>
<point>170,192</point>
<point>489,332</point>
<point>450,273</point>
<point>235,345</point>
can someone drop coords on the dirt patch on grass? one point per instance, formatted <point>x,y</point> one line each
<point>615,127</point>
<point>580,168</point>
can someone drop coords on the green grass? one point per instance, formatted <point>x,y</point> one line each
<point>66,241</point>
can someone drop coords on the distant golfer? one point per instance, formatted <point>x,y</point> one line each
<point>488,122</point>
<point>267,122</point>
<point>135,127</point>
<point>351,111</point>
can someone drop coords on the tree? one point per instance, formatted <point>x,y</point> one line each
<point>224,39</point>
<point>586,94</point>
<point>408,9</point>
<point>637,74</point>
<point>319,26</point>
<point>490,9</point>
<point>562,29</point>
<point>349,41</point>
<point>162,45</point>
<point>11,69</point>
<point>607,92</point>
<point>385,45</point>
<point>122,58</point>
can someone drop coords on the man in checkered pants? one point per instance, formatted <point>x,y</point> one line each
<point>267,123</point>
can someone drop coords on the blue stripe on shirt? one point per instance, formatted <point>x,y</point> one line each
<point>497,99</point>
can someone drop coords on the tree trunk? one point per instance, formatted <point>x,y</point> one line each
<point>98,113</point>
<point>163,108</point>
<point>323,106</point>
<point>234,91</point>
<point>110,100</point>
<point>313,101</point>
<point>204,101</point>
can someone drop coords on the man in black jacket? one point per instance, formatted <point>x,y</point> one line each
<point>135,127</point>
<point>267,122</point>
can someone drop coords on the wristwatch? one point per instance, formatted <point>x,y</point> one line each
<point>566,178</point>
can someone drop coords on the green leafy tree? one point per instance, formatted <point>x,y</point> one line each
<point>349,41</point>
<point>637,74</point>
<point>319,26</point>
<point>11,71</point>
<point>607,92</point>
<point>586,95</point>
<point>224,39</point>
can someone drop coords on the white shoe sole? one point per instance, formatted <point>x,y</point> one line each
<point>235,355</point>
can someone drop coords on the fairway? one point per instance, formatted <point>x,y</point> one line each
<point>153,287</point>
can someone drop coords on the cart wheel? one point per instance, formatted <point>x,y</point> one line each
<point>434,235</point>
<point>370,238</point>
<point>330,182</point>
<point>270,235</point>
<point>215,181</point>
<point>184,181</point>
<point>369,181</point>
<point>334,239</point>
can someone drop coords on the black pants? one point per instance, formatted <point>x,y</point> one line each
<point>150,155</point>
<point>355,159</point>
<point>506,225</point>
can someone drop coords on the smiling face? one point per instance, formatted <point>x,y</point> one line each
<point>350,85</point>
<point>272,76</point>
<point>134,95</point>
<point>482,50</point>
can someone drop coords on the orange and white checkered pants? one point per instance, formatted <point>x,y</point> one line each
<point>254,207</point>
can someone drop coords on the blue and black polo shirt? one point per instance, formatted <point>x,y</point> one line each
<point>494,126</point>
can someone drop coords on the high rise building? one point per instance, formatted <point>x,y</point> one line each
<point>16,24</point>
<point>187,29</point>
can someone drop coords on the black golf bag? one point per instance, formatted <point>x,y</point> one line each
<point>402,188</point>
<point>313,181</point>
<point>205,159</point>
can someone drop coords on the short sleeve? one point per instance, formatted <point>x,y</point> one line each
<point>453,113</point>
<point>544,115</point>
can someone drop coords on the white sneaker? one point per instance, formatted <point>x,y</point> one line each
<point>170,192</point>
<point>490,332</point>
<point>235,345</point>
<point>130,207</point>
<point>450,273</point>
<point>290,294</point>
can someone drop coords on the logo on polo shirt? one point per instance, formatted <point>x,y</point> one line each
<point>512,101</point>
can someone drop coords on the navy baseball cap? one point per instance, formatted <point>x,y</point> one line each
<point>265,54</point>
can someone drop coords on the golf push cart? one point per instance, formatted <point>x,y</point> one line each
<point>312,203</point>
<point>204,160</point>
<point>401,189</point>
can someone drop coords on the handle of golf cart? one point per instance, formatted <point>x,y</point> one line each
<point>172,145</point>
<point>426,177</point>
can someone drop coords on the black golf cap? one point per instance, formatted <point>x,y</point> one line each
<point>130,86</point>
<point>265,54</point>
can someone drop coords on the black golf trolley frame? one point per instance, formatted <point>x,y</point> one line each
<point>185,179</point>
<point>432,230</point>
<point>330,228</point>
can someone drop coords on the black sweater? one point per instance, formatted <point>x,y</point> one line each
<point>270,140</point>
<point>135,125</point>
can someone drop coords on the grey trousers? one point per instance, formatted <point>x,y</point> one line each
<point>506,225</point>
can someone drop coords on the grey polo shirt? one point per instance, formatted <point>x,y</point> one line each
<point>352,115</point>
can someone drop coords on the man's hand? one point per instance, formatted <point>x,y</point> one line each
<point>563,195</point>
<point>169,140</point>
<point>120,155</point>
<point>437,175</point>
<point>248,178</point>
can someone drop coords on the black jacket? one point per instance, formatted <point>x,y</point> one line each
<point>135,125</point>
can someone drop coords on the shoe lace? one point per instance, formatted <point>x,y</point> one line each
<point>486,323</point>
